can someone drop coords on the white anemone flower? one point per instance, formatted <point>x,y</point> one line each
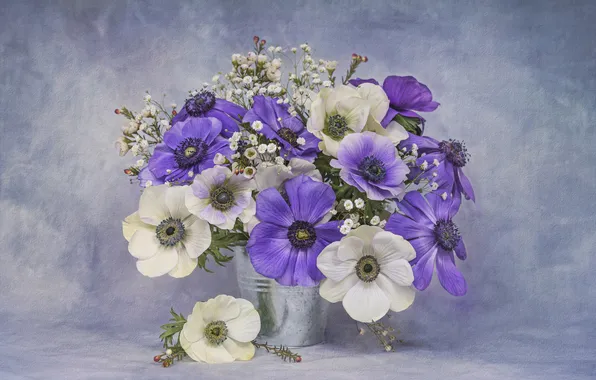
<point>221,330</point>
<point>334,113</point>
<point>163,235</point>
<point>369,271</point>
<point>220,197</point>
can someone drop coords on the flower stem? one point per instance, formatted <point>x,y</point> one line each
<point>281,351</point>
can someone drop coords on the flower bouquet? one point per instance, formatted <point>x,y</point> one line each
<point>325,190</point>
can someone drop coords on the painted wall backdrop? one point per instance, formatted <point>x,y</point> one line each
<point>516,80</point>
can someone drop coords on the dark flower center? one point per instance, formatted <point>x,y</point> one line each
<point>455,151</point>
<point>201,103</point>
<point>367,268</point>
<point>190,152</point>
<point>288,135</point>
<point>447,234</point>
<point>216,332</point>
<point>222,198</point>
<point>302,234</point>
<point>336,127</point>
<point>372,169</point>
<point>170,231</point>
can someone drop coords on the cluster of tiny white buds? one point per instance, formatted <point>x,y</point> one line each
<point>434,186</point>
<point>262,148</point>
<point>271,148</point>
<point>191,174</point>
<point>250,153</point>
<point>424,165</point>
<point>382,223</point>
<point>444,196</point>
<point>147,98</point>
<point>249,172</point>
<point>300,141</point>
<point>148,183</point>
<point>375,220</point>
<point>348,205</point>
<point>257,125</point>
<point>333,212</point>
<point>435,174</point>
<point>436,162</point>
<point>348,222</point>
<point>359,203</point>
<point>219,159</point>
<point>327,83</point>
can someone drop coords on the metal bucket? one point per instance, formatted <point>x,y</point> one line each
<point>294,316</point>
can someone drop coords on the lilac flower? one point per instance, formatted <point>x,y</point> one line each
<point>280,125</point>
<point>293,231</point>
<point>405,94</point>
<point>205,104</point>
<point>187,149</point>
<point>370,163</point>
<point>427,225</point>
<point>446,159</point>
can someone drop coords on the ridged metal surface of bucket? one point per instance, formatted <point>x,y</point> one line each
<point>292,316</point>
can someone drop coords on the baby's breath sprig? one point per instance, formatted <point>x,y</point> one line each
<point>173,351</point>
<point>282,351</point>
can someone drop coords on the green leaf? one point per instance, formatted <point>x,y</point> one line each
<point>410,124</point>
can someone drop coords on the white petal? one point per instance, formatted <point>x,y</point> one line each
<point>132,223</point>
<point>396,132</point>
<point>143,244</point>
<point>197,238</point>
<point>220,308</point>
<point>329,146</point>
<point>376,98</point>
<point>248,226</point>
<point>366,302</point>
<point>152,205</point>
<point>389,247</point>
<point>164,261</point>
<point>185,266</point>
<point>194,328</point>
<point>366,233</point>
<point>215,354</point>
<point>249,212</point>
<point>239,350</point>
<point>400,297</point>
<point>175,200</point>
<point>272,176</point>
<point>193,204</point>
<point>247,325</point>
<point>334,291</point>
<point>339,259</point>
<point>198,354</point>
<point>356,117</point>
<point>399,271</point>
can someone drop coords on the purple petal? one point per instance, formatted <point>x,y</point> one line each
<point>301,273</point>
<point>418,201</point>
<point>181,116</point>
<point>233,110</point>
<point>328,232</point>
<point>271,207</point>
<point>422,245</point>
<point>354,147</point>
<point>449,276</point>
<point>466,186</point>
<point>287,277</point>
<point>423,270</point>
<point>358,81</point>
<point>309,200</point>
<point>406,227</point>
<point>269,257</point>
<point>146,175</point>
<point>391,113</point>
<point>446,208</point>
<point>407,93</point>
<point>162,160</point>
<point>425,144</point>
<point>228,125</point>
<point>460,250</point>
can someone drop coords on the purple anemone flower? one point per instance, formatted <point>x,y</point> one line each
<point>205,104</point>
<point>427,225</point>
<point>406,95</point>
<point>293,231</point>
<point>445,158</point>
<point>278,124</point>
<point>370,163</point>
<point>187,149</point>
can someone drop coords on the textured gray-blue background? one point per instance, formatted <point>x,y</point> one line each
<point>516,80</point>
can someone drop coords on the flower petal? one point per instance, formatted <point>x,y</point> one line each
<point>423,270</point>
<point>449,276</point>
<point>272,208</point>
<point>144,244</point>
<point>334,291</point>
<point>161,263</point>
<point>216,354</point>
<point>175,200</point>
<point>196,353</point>
<point>268,257</point>
<point>310,200</point>
<point>185,266</point>
<point>246,326</point>
<point>194,328</point>
<point>335,267</point>
<point>132,223</point>
<point>239,350</point>
<point>399,271</point>
<point>366,302</point>
<point>220,308</point>
<point>152,205</point>
<point>403,226</point>
<point>460,250</point>
<point>389,247</point>
<point>197,238</point>
<point>401,297</point>
<point>422,245</point>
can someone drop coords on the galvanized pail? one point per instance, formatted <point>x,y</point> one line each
<point>294,316</point>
